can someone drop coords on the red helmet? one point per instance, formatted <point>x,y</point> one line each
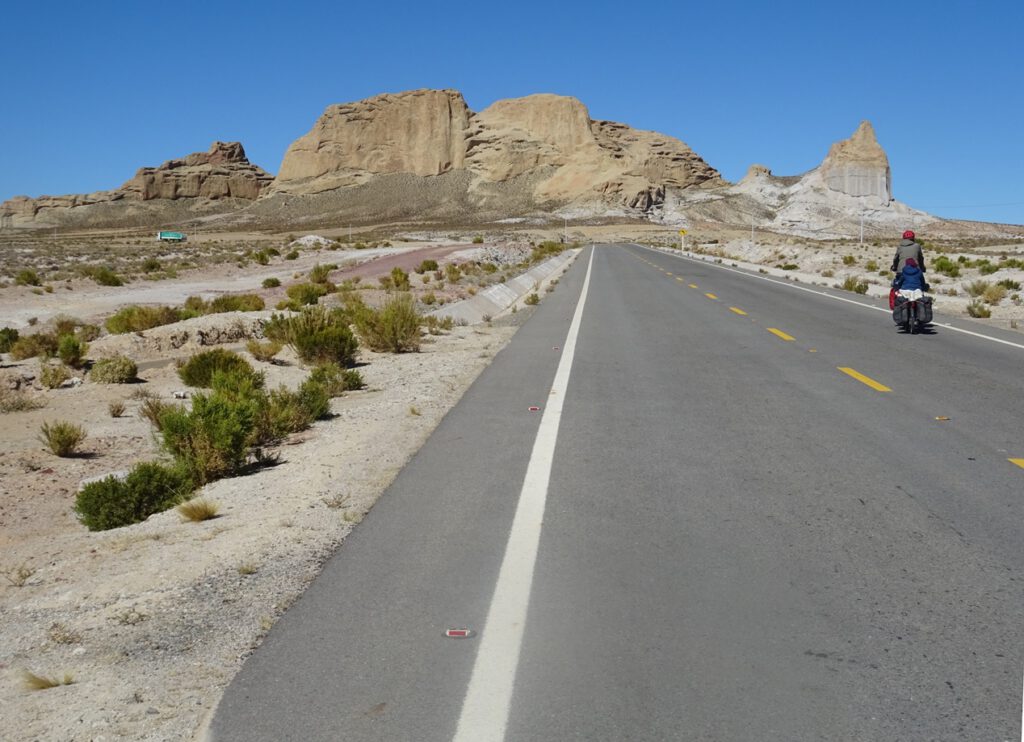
<point>908,235</point>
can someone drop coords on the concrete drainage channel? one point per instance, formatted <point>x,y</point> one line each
<point>497,299</point>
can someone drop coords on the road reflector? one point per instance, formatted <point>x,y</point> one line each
<point>781,334</point>
<point>534,409</point>
<point>864,379</point>
<point>458,633</point>
<point>942,418</point>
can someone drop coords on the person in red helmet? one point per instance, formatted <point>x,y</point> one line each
<point>908,248</point>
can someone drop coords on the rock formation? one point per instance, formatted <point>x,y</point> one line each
<point>858,166</point>
<point>547,141</point>
<point>222,172</point>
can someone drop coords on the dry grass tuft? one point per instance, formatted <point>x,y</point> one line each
<point>198,510</point>
<point>32,681</point>
<point>18,576</point>
<point>116,408</point>
<point>13,400</point>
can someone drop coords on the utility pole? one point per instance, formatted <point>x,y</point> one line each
<point>565,230</point>
<point>862,229</point>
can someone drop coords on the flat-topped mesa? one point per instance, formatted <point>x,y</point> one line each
<point>858,166</point>
<point>422,132</point>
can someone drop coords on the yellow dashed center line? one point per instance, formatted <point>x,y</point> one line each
<point>679,279</point>
<point>711,296</point>
<point>738,311</point>
<point>668,273</point>
<point>864,379</point>
<point>1018,462</point>
<point>693,285</point>
<point>780,334</point>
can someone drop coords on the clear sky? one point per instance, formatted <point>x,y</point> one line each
<point>93,90</point>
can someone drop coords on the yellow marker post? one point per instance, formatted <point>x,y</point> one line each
<point>864,379</point>
<point>780,334</point>
<point>738,311</point>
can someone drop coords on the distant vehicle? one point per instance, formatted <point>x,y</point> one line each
<point>171,236</point>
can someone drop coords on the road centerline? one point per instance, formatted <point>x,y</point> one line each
<point>867,380</point>
<point>485,707</point>
<point>779,333</point>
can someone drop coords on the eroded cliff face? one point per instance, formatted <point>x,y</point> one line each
<point>546,140</point>
<point>221,172</point>
<point>858,166</point>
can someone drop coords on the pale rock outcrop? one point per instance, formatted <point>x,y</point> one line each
<point>858,166</point>
<point>421,132</point>
<point>221,172</point>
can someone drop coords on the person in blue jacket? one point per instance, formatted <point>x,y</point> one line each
<point>910,278</point>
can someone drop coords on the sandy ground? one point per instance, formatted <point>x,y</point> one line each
<point>151,621</point>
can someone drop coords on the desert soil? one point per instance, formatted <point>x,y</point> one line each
<point>151,621</point>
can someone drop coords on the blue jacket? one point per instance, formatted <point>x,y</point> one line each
<point>910,278</point>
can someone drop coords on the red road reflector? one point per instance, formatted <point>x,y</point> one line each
<point>458,633</point>
<point>555,348</point>
<point>534,409</point>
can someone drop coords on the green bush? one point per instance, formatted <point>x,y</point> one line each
<point>64,324</point>
<point>945,266</point>
<point>261,257</point>
<point>452,273</point>
<point>104,276</point>
<point>1006,283</point>
<point>63,438</point>
<point>320,273</point>
<point>87,333</point>
<point>200,368</point>
<point>546,250</point>
<point>139,318</point>
<point>52,376</point>
<point>71,351</point>
<point>478,240</point>
<point>399,279</point>
<point>150,264</point>
<point>27,277</point>
<point>426,265</point>
<point>394,328</point>
<point>532,299</point>
<point>976,288</point>
<point>235,303</point>
<point>271,283</point>
<point>849,260</point>
<point>852,283</point>
<point>317,335</point>
<point>8,337</point>
<point>149,488</point>
<point>212,439</point>
<point>41,344</point>
<point>335,379</point>
<point>264,351</point>
<point>306,294</point>
<point>292,255</point>
<point>114,370</point>
<point>994,294</point>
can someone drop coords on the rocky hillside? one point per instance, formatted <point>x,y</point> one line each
<point>220,179</point>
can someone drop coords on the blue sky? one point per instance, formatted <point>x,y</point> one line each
<point>92,91</point>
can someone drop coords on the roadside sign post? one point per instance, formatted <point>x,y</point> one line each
<point>682,240</point>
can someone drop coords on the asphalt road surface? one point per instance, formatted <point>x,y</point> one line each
<point>744,510</point>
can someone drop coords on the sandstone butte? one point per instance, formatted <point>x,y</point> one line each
<point>546,145</point>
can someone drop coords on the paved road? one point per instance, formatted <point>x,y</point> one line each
<point>734,538</point>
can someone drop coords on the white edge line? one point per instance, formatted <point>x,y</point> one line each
<point>485,707</point>
<point>822,293</point>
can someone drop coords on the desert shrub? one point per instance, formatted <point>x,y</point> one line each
<point>335,379</point>
<point>264,351</point>
<point>63,437</point>
<point>149,488</point>
<point>871,265</point>
<point>104,276</point>
<point>317,335</point>
<point>488,268</point>
<point>114,370</point>
<point>452,272</point>
<point>71,351</point>
<point>64,324</point>
<point>545,250</point>
<point>235,303</point>
<point>52,376</point>
<point>150,264</point>
<point>292,255</point>
<point>139,318</point>
<point>478,240</point>
<point>153,409</point>
<point>394,328</point>
<point>261,257</point>
<point>41,344</point>
<point>426,265</point>
<point>532,299</point>
<point>977,309</point>
<point>429,298</point>
<point>320,274</point>
<point>87,333</point>
<point>828,273</point>
<point>945,266</point>
<point>435,326</point>
<point>27,277</point>
<point>400,279</point>
<point>116,408</point>
<point>271,283</point>
<point>790,267</point>
<point>849,260</point>
<point>211,440</point>
<point>8,337</point>
<point>854,284</point>
<point>976,288</point>
<point>986,268</point>
<point>994,294</point>
<point>198,510</point>
<point>16,400</point>
<point>1006,283</point>
<point>305,294</point>
<point>200,368</point>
